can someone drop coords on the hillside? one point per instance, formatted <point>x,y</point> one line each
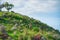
<point>21,27</point>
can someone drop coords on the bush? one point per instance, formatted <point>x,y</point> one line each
<point>36,29</point>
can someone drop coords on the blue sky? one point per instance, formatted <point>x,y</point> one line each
<point>47,11</point>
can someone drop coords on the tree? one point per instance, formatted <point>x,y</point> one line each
<point>1,6</point>
<point>8,6</point>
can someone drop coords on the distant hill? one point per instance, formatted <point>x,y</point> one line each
<point>17,24</point>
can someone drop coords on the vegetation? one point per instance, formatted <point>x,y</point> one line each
<point>14,26</point>
<point>6,5</point>
<point>1,6</point>
<point>21,27</point>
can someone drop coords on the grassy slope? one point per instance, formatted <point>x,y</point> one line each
<point>26,26</point>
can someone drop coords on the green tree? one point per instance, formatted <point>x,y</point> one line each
<point>1,6</point>
<point>8,6</point>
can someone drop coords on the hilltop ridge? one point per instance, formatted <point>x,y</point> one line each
<point>17,24</point>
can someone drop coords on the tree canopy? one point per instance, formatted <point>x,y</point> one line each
<point>6,5</point>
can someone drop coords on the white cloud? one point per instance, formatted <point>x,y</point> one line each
<point>29,6</point>
<point>35,5</point>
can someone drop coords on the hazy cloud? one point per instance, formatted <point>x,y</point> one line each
<point>29,6</point>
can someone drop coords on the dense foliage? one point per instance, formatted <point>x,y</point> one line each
<point>6,5</point>
<point>21,27</point>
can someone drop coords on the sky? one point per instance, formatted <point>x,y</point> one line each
<point>47,11</point>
